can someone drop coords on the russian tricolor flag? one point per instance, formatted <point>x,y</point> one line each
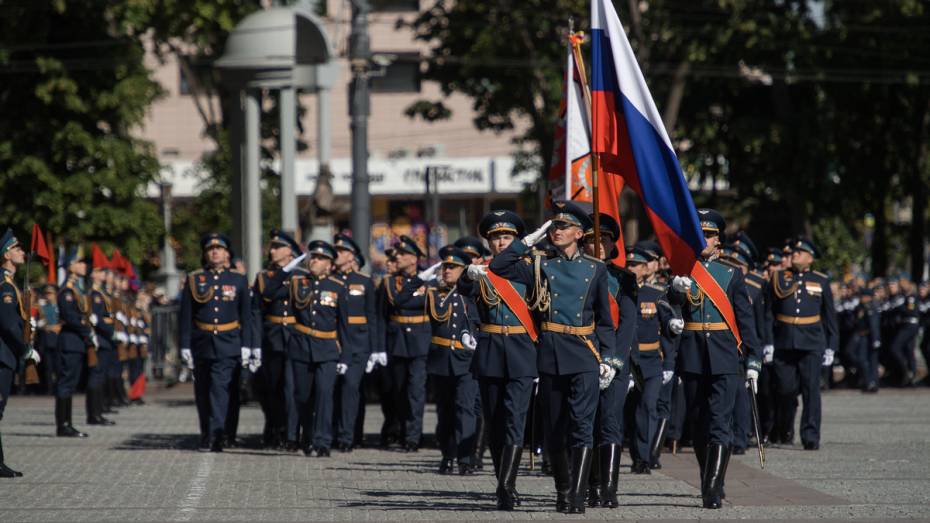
<point>630,137</point>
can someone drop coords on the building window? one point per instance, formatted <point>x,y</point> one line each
<point>394,5</point>
<point>204,74</point>
<point>401,76</point>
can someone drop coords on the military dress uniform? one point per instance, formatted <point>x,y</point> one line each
<point>711,364</point>
<point>608,422</point>
<point>577,334</point>
<point>906,327</point>
<point>273,303</point>
<point>103,323</point>
<point>323,321</point>
<point>361,309</point>
<point>653,354</point>
<point>14,346</point>
<point>504,362</point>
<point>454,323</point>
<point>804,327</point>
<point>866,340</point>
<point>75,338</point>
<point>48,337</point>
<point>213,325</point>
<point>407,336</point>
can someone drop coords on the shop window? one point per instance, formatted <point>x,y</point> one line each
<point>401,76</point>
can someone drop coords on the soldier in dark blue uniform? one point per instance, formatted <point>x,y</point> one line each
<point>14,320</point>
<point>376,368</point>
<point>742,257</point>
<point>505,357</point>
<point>102,321</point>
<point>361,310</point>
<point>711,359</point>
<point>658,279</point>
<point>274,304</point>
<point>48,337</point>
<point>805,338</point>
<point>407,329</point>
<point>577,334</point>
<point>322,307</point>
<point>454,323</point>
<point>768,395</point>
<point>214,331</point>
<point>906,326</point>
<point>866,340</point>
<point>653,355</point>
<point>75,338</point>
<point>608,425</point>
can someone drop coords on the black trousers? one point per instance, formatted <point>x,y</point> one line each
<point>710,400</point>
<point>799,371</point>
<point>211,393</point>
<point>569,404</point>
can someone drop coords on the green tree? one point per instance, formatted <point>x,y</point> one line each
<point>74,91</point>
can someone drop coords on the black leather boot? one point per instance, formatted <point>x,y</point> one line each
<point>121,398</point>
<point>713,475</point>
<point>610,475</point>
<point>594,480</point>
<point>558,461</point>
<point>446,466</point>
<point>95,408</point>
<point>581,467</point>
<point>655,449</point>
<point>107,397</point>
<point>65,428</point>
<point>507,479</point>
<point>5,471</point>
<point>723,474</point>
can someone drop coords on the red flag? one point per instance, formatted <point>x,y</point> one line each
<point>137,389</point>
<point>39,247</point>
<point>99,259</point>
<point>52,277</point>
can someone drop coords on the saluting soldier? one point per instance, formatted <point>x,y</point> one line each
<point>454,324</point>
<point>14,323</point>
<point>213,326</point>
<point>710,358</point>
<point>653,355</point>
<point>322,311</point>
<point>407,330</point>
<point>102,321</point>
<point>577,334</point>
<point>361,310</point>
<point>505,357</point>
<point>805,338</point>
<point>608,426</point>
<point>273,302</point>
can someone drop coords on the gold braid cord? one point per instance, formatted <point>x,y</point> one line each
<point>199,297</point>
<point>296,284</point>
<point>779,292</point>
<point>488,294</point>
<point>19,298</point>
<point>539,298</point>
<point>431,297</point>
<point>696,299</point>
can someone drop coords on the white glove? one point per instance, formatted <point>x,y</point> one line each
<point>143,339</point>
<point>341,369</point>
<point>430,273</point>
<point>681,283</point>
<point>187,358</point>
<point>828,357</point>
<point>475,272</point>
<point>752,380</point>
<point>33,323</point>
<point>676,325</point>
<point>120,317</point>
<point>93,340</point>
<point>381,358</point>
<point>630,385</point>
<point>294,263</point>
<point>42,323</point>
<point>246,354</point>
<point>768,354</point>
<point>667,376</point>
<point>133,339</point>
<point>370,365</point>
<point>752,375</point>
<point>607,374</point>
<point>33,355</point>
<point>93,319</point>
<point>256,358</point>
<point>877,344</point>
<point>533,238</point>
<point>468,341</point>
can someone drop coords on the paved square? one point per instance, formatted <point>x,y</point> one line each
<point>874,464</point>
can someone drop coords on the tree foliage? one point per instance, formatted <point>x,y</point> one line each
<point>74,91</point>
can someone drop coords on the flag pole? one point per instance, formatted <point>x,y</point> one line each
<point>576,39</point>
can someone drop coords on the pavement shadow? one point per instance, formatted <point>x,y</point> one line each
<point>159,442</point>
<point>435,500</point>
<point>175,403</point>
<point>28,434</point>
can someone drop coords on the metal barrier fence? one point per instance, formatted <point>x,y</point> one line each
<point>163,347</point>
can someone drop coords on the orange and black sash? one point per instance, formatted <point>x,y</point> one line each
<point>515,302</point>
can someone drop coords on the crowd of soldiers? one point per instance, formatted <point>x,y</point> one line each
<point>526,339</point>
<point>92,331</point>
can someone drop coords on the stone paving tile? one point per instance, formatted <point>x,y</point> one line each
<point>873,465</point>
